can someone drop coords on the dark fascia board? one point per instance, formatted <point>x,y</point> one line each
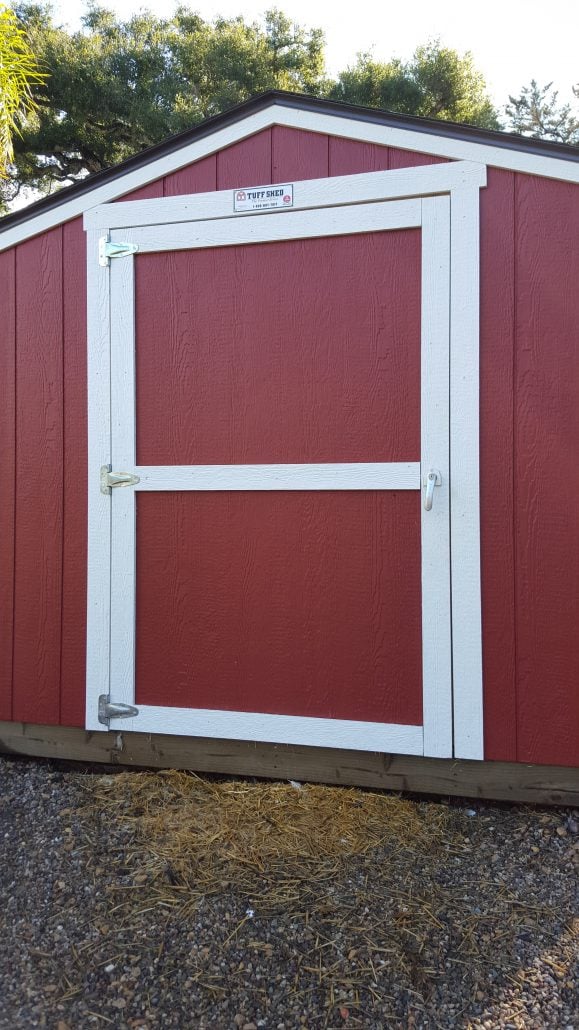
<point>302,102</point>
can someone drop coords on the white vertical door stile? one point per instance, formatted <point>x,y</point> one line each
<point>465,495</point>
<point>123,458</point>
<point>99,505</point>
<point>435,348</point>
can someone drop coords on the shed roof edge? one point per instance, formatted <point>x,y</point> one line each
<point>445,139</point>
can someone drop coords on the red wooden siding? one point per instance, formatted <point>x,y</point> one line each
<point>283,352</point>
<point>74,479</point>
<point>245,163</point>
<point>8,466</point>
<point>292,603</point>
<point>496,463</point>
<point>200,177</point>
<point>303,351</point>
<point>529,437</point>
<point>546,470</point>
<point>39,482</point>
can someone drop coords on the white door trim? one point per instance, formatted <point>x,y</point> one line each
<point>338,190</point>
<point>378,475</point>
<point>118,279</point>
<point>465,488</point>
<point>272,228</point>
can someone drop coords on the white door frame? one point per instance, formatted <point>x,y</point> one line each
<point>446,208</point>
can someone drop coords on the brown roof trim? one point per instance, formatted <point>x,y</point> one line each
<point>302,102</point>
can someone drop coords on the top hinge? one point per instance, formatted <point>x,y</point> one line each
<point>110,479</point>
<point>108,250</point>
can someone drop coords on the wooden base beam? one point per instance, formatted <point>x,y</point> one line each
<point>500,781</point>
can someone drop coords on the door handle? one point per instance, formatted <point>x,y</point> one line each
<point>432,479</point>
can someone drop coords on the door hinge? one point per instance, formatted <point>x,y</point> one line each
<point>110,479</point>
<point>114,710</point>
<point>108,250</point>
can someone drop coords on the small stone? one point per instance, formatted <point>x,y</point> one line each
<point>561,831</point>
<point>119,1003</point>
<point>249,1026</point>
<point>238,1019</point>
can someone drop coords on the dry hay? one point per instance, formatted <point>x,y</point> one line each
<point>359,890</point>
<point>194,836</point>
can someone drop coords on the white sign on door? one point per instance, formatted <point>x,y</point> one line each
<point>262,198</point>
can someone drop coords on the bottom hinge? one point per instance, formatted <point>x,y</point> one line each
<point>114,710</point>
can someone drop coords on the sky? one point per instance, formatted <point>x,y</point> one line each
<point>512,41</point>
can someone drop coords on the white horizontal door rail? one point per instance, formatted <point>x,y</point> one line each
<point>340,190</point>
<point>278,729</point>
<point>345,476</point>
<point>287,225</point>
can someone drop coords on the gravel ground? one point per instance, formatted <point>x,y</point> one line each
<point>479,930</point>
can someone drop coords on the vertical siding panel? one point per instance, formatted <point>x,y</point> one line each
<point>39,488</point>
<point>410,159</point>
<point>200,177</point>
<point>546,476</point>
<point>7,463</point>
<point>496,464</point>
<point>150,191</point>
<point>298,155</point>
<point>75,486</point>
<point>247,163</point>
<point>348,157</point>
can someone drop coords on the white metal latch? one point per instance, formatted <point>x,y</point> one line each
<point>431,479</point>
<point>110,479</point>
<point>114,710</point>
<point>108,250</point>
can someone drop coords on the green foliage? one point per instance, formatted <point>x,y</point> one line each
<point>116,87</point>
<point>535,112</point>
<point>436,83</point>
<point>19,72</point>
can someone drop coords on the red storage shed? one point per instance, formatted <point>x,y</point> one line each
<point>289,425</point>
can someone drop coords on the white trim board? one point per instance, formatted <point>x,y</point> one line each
<point>388,738</point>
<point>312,121</point>
<point>331,476</point>
<point>333,191</point>
<point>283,225</point>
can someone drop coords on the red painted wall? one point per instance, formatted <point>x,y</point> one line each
<point>529,442</point>
<point>291,603</point>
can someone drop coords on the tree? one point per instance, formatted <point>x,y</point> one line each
<point>535,112</point>
<point>19,72</point>
<point>436,83</point>
<point>116,87</point>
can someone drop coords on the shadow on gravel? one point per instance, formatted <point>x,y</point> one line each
<point>166,900</point>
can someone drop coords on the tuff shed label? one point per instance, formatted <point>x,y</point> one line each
<point>263,198</point>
